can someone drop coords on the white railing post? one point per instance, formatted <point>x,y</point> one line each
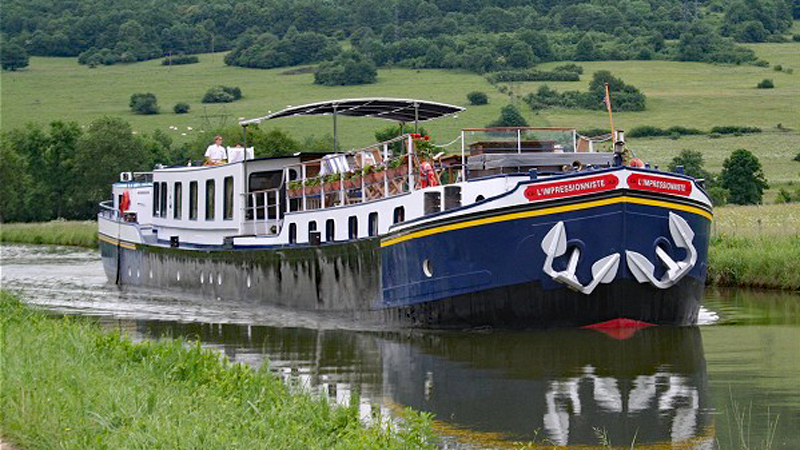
<point>411,154</point>
<point>303,181</point>
<point>385,170</point>
<point>519,140</point>
<point>463,158</point>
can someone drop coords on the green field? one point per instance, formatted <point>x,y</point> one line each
<point>679,93</point>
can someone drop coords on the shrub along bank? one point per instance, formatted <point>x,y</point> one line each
<point>68,384</point>
<point>57,232</point>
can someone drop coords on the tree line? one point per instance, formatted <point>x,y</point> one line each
<point>482,36</point>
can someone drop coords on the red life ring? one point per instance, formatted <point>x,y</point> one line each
<point>427,175</point>
<point>125,203</point>
<point>636,162</point>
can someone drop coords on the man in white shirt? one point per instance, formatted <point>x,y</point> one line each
<point>215,153</point>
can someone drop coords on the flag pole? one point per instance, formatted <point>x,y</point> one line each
<point>607,101</point>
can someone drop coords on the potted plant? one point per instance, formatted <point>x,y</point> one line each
<point>312,185</point>
<point>352,179</point>
<point>294,188</point>
<point>333,182</point>
<point>397,167</point>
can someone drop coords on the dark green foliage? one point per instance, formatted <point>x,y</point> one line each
<point>266,51</point>
<point>586,50</point>
<point>684,131</point>
<point>742,177</point>
<point>12,56</point>
<point>222,94</point>
<point>692,162</point>
<point>531,75</point>
<point>796,37</point>
<point>719,195</point>
<point>700,43</point>
<point>348,69</point>
<point>477,98</point>
<point>176,60</point>
<point>509,117</point>
<point>766,83</point>
<point>647,131</point>
<point>574,68</point>
<point>593,132</point>
<point>181,108</point>
<point>729,129</point>
<point>797,157</point>
<point>624,97</point>
<point>144,103</point>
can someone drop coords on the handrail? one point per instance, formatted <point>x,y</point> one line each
<point>262,211</point>
<point>108,211</point>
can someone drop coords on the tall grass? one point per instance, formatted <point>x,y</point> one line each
<point>67,384</point>
<point>756,246</point>
<point>57,232</point>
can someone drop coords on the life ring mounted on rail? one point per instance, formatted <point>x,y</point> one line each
<point>125,202</point>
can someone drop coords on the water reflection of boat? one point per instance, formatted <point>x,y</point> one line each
<point>565,385</point>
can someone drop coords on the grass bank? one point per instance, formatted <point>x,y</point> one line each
<point>68,384</point>
<point>756,246</point>
<point>57,232</point>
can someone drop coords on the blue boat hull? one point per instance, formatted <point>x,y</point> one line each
<point>478,270</point>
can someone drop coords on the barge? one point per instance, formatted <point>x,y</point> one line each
<point>522,228</point>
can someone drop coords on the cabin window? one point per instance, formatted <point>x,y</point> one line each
<point>210,199</point>
<point>156,197</point>
<point>177,211</point>
<point>228,202</point>
<point>261,181</point>
<point>399,214</point>
<point>292,233</point>
<point>373,224</point>
<point>163,200</point>
<point>352,227</point>
<point>193,200</point>
<point>312,227</point>
<point>330,230</point>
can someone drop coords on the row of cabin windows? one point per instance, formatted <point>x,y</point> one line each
<point>160,199</point>
<point>352,226</point>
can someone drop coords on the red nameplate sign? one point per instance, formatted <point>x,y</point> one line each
<point>571,187</point>
<point>659,184</point>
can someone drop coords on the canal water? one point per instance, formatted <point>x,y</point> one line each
<point>731,383</point>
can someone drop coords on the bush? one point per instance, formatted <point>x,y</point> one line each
<point>509,117</point>
<point>531,75</point>
<point>734,129</point>
<point>777,68</point>
<point>346,70</point>
<point>574,68</point>
<point>592,132</point>
<point>766,83</point>
<point>647,131</point>
<point>222,94</point>
<point>683,131</point>
<point>796,37</point>
<point>144,103</point>
<point>477,98</point>
<point>176,60</point>
<point>718,195</point>
<point>181,108</point>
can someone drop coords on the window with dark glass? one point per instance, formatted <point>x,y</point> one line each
<point>156,197</point>
<point>373,224</point>
<point>352,227</point>
<point>163,200</point>
<point>177,209</point>
<point>399,214</point>
<point>210,199</point>
<point>312,226</point>
<point>227,207</point>
<point>330,230</point>
<point>193,200</point>
<point>292,233</point>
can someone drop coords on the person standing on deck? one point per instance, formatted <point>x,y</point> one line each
<point>216,153</point>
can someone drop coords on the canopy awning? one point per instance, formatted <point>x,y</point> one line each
<point>396,109</point>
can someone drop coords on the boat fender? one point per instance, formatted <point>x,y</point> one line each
<point>636,162</point>
<point>125,203</point>
<point>427,175</point>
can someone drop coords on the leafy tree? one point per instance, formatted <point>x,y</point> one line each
<point>742,177</point>
<point>766,83</point>
<point>692,162</point>
<point>477,98</point>
<point>509,117</point>
<point>586,50</point>
<point>12,56</point>
<point>16,186</point>
<point>181,108</point>
<point>348,69</point>
<point>107,148</point>
<point>144,103</point>
<point>222,94</point>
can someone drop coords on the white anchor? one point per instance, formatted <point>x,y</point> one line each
<point>644,271</point>
<point>554,245</point>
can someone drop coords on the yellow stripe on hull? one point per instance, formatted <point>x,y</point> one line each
<point>545,212</point>
<point>112,241</point>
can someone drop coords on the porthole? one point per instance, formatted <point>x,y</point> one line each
<point>219,279</point>
<point>202,278</point>
<point>178,276</point>
<point>427,268</point>
<point>479,198</point>
<point>248,282</point>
